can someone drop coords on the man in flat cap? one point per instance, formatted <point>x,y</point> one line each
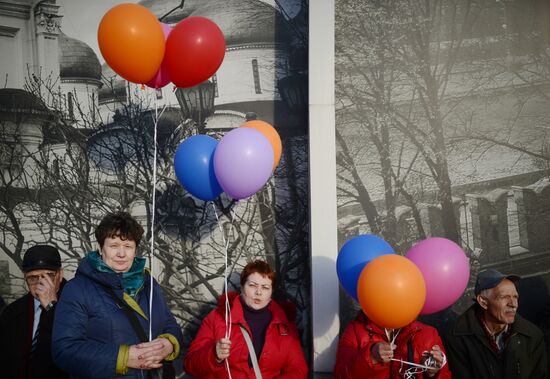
<point>26,324</point>
<point>490,340</point>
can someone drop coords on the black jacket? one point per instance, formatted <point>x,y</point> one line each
<point>16,323</point>
<point>471,357</point>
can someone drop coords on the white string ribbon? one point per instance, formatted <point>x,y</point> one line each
<point>415,368</point>
<point>228,319</point>
<point>153,206</point>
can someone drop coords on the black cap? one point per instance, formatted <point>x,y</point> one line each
<point>41,257</point>
<point>490,279</point>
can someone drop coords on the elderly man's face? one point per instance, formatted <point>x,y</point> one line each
<point>501,303</point>
<point>50,278</point>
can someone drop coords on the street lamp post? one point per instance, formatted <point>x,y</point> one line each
<point>197,103</point>
<point>294,92</point>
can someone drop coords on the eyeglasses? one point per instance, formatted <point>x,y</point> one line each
<point>33,279</point>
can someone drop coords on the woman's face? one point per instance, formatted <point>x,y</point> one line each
<point>257,291</point>
<point>118,254</point>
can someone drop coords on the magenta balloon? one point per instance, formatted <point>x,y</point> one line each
<point>446,271</point>
<point>161,78</point>
<point>243,162</point>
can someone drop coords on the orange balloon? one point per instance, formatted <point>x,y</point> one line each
<point>391,291</point>
<point>272,136</point>
<point>132,42</point>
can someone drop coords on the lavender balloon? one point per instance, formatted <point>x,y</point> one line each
<point>243,162</point>
<point>446,271</point>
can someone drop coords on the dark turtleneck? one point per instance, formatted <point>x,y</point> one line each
<point>257,320</point>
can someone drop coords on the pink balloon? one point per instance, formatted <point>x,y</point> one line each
<point>446,271</point>
<point>161,78</point>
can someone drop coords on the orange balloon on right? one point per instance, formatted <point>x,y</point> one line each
<point>272,136</point>
<point>391,291</point>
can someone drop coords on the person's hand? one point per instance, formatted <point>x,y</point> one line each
<point>437,356</point>
<point>381,352</point>
<point>222,348</point>
<point>45,289</point>
<point>149,355</point>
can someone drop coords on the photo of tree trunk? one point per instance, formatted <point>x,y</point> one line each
<point>442,112</point>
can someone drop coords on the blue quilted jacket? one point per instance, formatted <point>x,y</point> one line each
<point>90,327</point>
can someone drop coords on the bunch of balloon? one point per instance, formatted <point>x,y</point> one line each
<point>246,157</point>
<point>354,255</point>
<point>162,77</point>
<point>194,51</point>
<point>446,271</point>
<point>272,136</point>
<point>193,164</point>
<point>240,164</point>
<point>391,291</point>
<point>143,50</point>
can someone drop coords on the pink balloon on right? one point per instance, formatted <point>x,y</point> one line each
<point>446,271</point>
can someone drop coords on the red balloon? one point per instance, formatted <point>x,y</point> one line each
<point>194,51</point>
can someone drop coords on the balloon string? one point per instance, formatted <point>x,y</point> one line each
<point>392,340</point>
<point>225,274</point>
<point>153,207</point>
<point>228,319</point>
<point>417,368</point>
<point>411,363</point>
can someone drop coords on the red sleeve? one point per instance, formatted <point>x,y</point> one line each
<point>295,366</point>
<point>352,361</point>
<point>424,340</point>
<point>200,360</point>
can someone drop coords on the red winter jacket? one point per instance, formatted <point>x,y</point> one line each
<point>281,356</point>
<point>353,359</point>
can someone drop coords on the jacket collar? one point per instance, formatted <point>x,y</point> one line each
<point>131,282</point>
<point>279,314</point>
<point>467,324</point>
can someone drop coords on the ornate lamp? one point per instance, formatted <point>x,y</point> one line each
<point>197,103</point>
<point>294,92</point>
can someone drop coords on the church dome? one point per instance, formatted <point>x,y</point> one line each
<point>161,8</point>
<point>245,21</point>
<point>242,21</point>
<point>77,60</point>
<point>17,100</point>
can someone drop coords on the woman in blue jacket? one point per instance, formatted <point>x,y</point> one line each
<point>93,334</point>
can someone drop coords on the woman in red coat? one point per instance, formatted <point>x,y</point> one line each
<point>366,350</point>
<point>274,338</point>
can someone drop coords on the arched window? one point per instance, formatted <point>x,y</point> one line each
<point>215,81</point>
<point>70,105</point>
<point>256,74</point>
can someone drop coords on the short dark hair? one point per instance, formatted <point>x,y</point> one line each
<point>119,224</point>
<point>261,267</point>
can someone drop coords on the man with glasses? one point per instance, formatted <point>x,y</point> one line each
<point>26,324</point>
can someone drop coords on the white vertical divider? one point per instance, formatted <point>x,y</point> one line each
<point>322,164</point>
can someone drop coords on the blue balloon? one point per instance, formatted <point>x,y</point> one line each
<point>194,166</point>
<point>354,256</point>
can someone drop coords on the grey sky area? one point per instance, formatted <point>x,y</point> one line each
<point>81,19</point>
